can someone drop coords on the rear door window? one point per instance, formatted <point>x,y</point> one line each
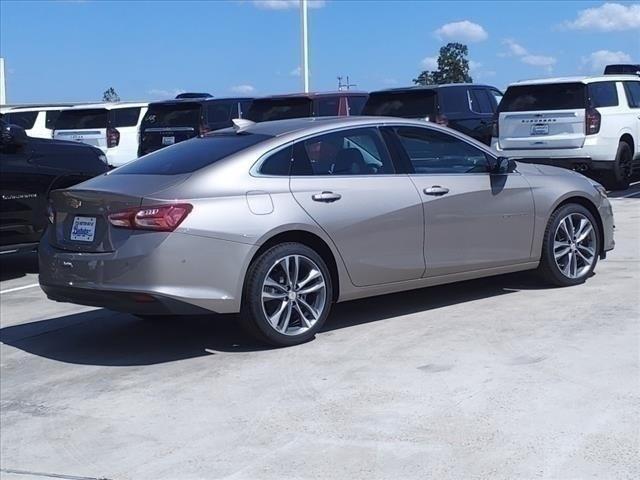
<point>632,89</point>
<point>556,96</point>
<point>454,100</point>
<point>172,115</point>
<point>50,118</point>
<point>409,104</point>
<point>603,94</point>
<point>280,109</point>
<point>124,117</point>
<point>327,106</point>
<point>480,101</point>
<point>191,155</point>
<point>356,104</point>
<point>25,120</point>
<point>221,111</point>
<point>82,119</point>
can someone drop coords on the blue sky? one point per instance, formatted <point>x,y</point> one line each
<point>74,50</point>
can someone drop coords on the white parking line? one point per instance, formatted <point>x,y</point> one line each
<point>16,289</point>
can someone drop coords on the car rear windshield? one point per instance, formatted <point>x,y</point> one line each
<point>76,119</point>
<point>416,104</point>
<point>25,120</point>
<point>173,115</point>
<point>557,96</point>
<point>279,109</point>
<point>191,155</point>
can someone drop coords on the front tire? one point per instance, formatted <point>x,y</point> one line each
<point>571,246</point>
<point>287,296</point>
<point>620,175</point>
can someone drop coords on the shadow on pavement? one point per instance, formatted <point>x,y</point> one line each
<point>102,337</point>
<point>18,265</point>
<point>632,192</point>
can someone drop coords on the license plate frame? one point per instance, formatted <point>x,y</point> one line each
<point>540,129</point>
<point>169,140</point>
<point>83,229</point>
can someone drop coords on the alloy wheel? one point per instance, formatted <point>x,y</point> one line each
<point>574,245</point>
<point>293,294</point>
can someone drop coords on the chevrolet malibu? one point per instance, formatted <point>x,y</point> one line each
<point>279,220</point>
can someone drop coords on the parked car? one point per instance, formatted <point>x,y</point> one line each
<point>112,127</point>
<point>468,108</point>
<point>278,220</point>
<point>589,124</point>
<point>173,121</point>
<point>299,105</point>
<point>30,168</point>
<point>622,69</point>
<point>37,120</point>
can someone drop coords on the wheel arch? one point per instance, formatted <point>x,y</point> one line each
<point>628,139</point>
<point>589,205</point>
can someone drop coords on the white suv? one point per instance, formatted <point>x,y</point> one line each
<point>589,124</point>
<point>37,120</point>
<point>112,127</point>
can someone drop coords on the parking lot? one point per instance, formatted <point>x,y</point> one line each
<point>501,378</point>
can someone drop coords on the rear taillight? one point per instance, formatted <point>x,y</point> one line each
<point>161,218</point>
<point>592,121</point>
<point>442,120</point>
<point>113,137</point>
<point>495,130</point>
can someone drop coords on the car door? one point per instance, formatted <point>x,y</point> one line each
<point>482,104</point>
<point>473,219</point>
<point>347,183</point>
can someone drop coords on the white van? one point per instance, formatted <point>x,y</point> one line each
<point>112,127</point>
<point>37,120</point>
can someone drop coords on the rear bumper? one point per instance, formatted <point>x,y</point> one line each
<point>597,150</point>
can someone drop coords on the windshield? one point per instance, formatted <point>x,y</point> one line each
<point>412,104</point>
<point>558,96</point>
<point>75,119</point>
<point>279,109</point>
<point>191,155</point>
<point>172,115</point>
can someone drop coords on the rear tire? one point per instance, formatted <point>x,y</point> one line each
<point>619,177</point>
<point>287,296</point>
<point>571,246</point>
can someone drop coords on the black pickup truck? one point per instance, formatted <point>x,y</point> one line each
<point>30,168</point>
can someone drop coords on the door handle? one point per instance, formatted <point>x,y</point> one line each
<point>436,190</point>
<point>327,197</point>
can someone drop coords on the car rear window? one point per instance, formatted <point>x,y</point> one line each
<point>124,117</point>
<point>279,109</point>
<point>173,115</point>
<point>557,96</point>
<point>412,104</point>
<point>77,119</point>
<point>191,155</point>
<point>25,120</point>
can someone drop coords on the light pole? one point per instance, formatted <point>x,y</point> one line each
<point>305,44</point>
<point>3,83</point>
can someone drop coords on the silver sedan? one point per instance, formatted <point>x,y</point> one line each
<point>279,220</point>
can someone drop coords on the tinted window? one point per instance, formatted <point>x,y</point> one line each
<point>480,101</point>
<point>632,89</point>
<point>327,106</point>
<point>90,118</point>
<point>349,152</point>
<point>435,152</point>
<point>497,95</point>
<point>51,118</point>
<point>453,100</point>
<point>221,111</point>
<point>279,109</point>
<point>124,117</point>
<point>25,120</point>
<point>409,104</point>
<point>557,96</point>
<point>356,104</point>
<point>277,164</point>
<point>244,108</point>
<point>603,94</point>
<point>172,115</point>
<point>189,156</point>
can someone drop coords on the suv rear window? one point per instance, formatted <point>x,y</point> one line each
<point>124,117</point>
<point>279,109</point>
<point>557,96</point>
<point>173,115</point>
<point>25,120</point>
<point>191,155</point>
<point>90,118</point>
<point>410,104</point>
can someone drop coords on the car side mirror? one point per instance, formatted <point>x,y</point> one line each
<point>13,135</point>
<point>501,165</point>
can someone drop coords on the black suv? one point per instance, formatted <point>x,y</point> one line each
<point>30,168</point>
<point>173,121</point>
<point>467,107</point>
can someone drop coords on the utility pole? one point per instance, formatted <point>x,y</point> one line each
<point>345,86</point>
<point>305,44</point>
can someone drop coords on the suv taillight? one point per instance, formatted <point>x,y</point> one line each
<point>161,218</point>
<point>495,128</point>
<point>113,137</point>
<point>592,121</point>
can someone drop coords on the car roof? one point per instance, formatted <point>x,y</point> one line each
<point>342,93</point>
<point>178,101</point>
<point>40,108</point>
<point>108,105</point>
<point>577,79</point>
<point>414,88</point>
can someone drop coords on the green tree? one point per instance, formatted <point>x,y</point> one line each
<point>110,95</point>
<point>453,67</point>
